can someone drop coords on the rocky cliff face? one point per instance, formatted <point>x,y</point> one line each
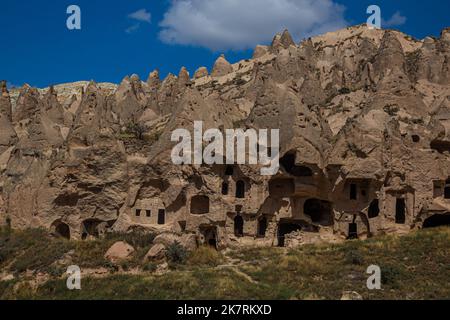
<point>364,119</point>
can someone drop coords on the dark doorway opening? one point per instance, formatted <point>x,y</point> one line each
<point>353,231</point>
<point>200,205</point>
<point>288,163</point>
<point>262,227</point>
<point>210,235</point>
<point>285,228</point>
<point>447,192</point>
<point>447,189</point>
<point>440,146</point>
<point>229,171</point>
<point>240,189</point>
<point>225,188</point>
<point>161,216</point>
<point>400,211</point>
<point>90,227</point>
<point>437,220</point>
<point>320,211</point>
<point>353,191</point>
<point>374,209</point>
<point>238,226</point>
<point>61,229</point>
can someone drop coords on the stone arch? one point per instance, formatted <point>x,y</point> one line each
<point>200,204</point>
<point>240,189</point>
<point>61,229</point>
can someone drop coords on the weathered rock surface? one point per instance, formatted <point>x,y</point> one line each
<point>157,252</point>
<point>119,251</point>
<point>364,119</point>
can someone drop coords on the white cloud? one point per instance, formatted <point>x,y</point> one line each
<point>141,15</point>
<point>396,20</point>
<point>238,24</point>
<point>133,28</point>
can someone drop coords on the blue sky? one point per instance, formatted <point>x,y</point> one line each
<point>119,38</point>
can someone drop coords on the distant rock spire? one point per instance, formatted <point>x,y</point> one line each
<point>221,67</point>
<point>153,79</point>
<point>183,76</point>
<point>282,41</point>
<point>3,87</point>
<point>286,39</point>
<point>5,102</point>
<point>201,72</point>
<point>8,136</point>
<point>276,42</point>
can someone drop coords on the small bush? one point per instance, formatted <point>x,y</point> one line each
<point>354,257</point>
<point>176,253</point>
<point>150,267</point>
<point>90,254</point>
<point>205,256</point>
<point>389,274</point>
<point>41,256</point>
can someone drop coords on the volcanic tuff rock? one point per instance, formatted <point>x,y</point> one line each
<point>364,119</point>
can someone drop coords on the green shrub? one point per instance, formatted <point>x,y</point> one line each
<point>137,239</point>
<point>150,267</point>
<point>354,257</point>
<point>176,253</point>
<point>205,256</point>
<point>90,254</point>
<point>41,256</point>
<point>389,274</point>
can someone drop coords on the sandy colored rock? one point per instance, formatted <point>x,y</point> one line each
<point>157,252</point>
<point>260,51</point>
<point>183,76</point>
<point>119,251</point>
<point>153,79</point>
<point>201,72</point>
<point>364,122</point>
<point>221,67</point>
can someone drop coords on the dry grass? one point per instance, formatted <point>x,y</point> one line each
<point>415,266</point>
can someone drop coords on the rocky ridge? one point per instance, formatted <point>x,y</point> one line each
<point>364,119</point>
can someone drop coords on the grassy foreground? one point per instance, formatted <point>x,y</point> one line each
<point>416,266</point>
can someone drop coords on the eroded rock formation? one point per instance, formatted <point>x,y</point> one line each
<point>365,146</point>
